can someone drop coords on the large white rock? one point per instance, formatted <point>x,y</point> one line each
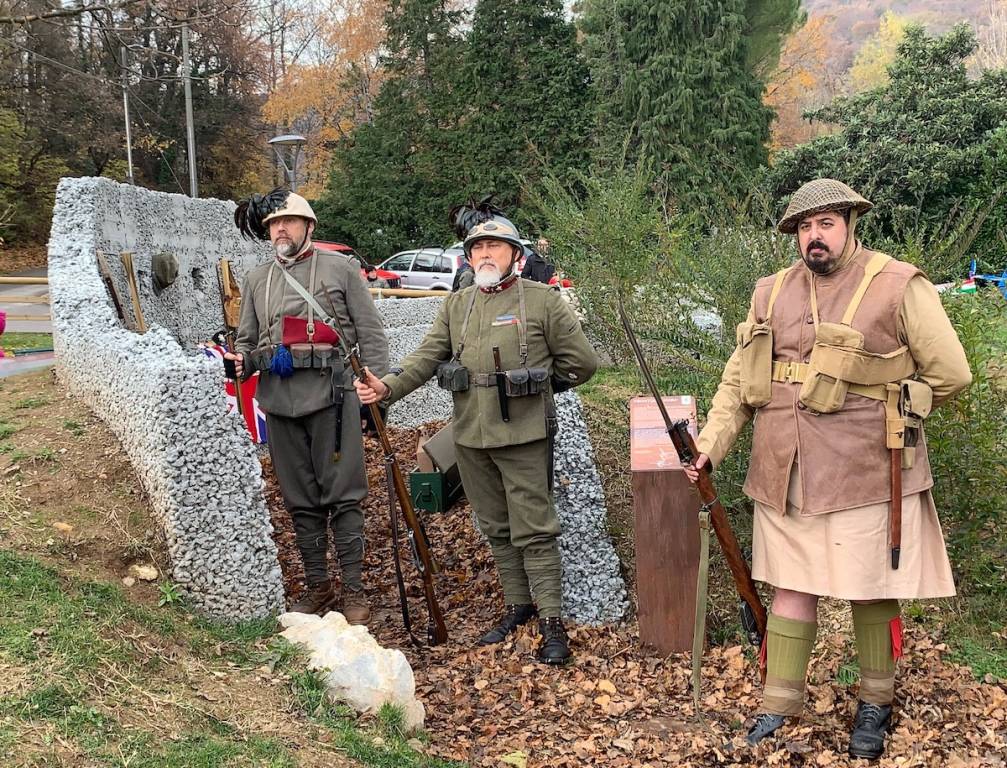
<point>359,672</point>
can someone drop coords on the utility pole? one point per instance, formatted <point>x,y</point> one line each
<point>125,109</point>
<point>190,129</point>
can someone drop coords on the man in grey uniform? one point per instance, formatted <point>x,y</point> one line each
<point>312,412</point>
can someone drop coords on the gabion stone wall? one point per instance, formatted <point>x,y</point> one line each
<point>163,399</point>
<point>164,402</point>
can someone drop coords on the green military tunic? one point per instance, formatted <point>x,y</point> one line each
<point>555,342</point>
<point>301,417</point>
<point>505,465</point>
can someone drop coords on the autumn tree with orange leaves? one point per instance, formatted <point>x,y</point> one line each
<point>332,90</point>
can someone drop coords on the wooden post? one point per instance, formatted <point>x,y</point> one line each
<point>666,528</point>
<point>134,290</point>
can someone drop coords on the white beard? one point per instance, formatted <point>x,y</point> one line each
<point>487,276</point>
<point>285,249</point>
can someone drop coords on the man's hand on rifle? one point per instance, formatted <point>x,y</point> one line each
<point>371,389</point>
<point>239,363</point>
<point>692,471</point>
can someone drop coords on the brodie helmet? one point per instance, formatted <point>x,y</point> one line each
<point>818,196</point>
<point>252,216</point>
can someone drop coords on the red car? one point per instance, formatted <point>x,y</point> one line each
<point>393,279</point>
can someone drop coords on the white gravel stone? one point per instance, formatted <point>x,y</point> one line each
<point>160,395</point>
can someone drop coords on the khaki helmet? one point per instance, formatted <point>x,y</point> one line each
<point>496,228</point>
<point>817,196</point>
<point>294,205</point>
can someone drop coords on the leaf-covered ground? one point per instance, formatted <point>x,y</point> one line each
<point>616,705</point>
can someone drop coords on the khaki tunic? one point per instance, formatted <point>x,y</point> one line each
<point>804,546</point>
<point>308,390</point>
<point>556,342</point>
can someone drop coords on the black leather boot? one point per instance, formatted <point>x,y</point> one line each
<point>870,727</point>
<point>514,617</point>
<point>317,598</point>
<point>765,725</point>
<point>555,648</point>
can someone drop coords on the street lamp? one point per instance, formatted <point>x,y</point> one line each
<point>295,142</point>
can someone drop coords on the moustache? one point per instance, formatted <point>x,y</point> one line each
<point>819,245</point>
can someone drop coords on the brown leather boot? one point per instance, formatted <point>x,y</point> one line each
<point>356,609</point>
<point>317,598</point>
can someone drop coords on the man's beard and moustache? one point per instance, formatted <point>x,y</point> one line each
<point>821,263</point>
<point>487,275</point>
<point>286,249</point>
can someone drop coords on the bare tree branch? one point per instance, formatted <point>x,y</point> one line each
<point>65,12</point>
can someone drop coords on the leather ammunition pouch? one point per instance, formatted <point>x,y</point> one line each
<point>453,376</point>
<point>518,382</point>
<point>916,400</point>
<point>755,340</point>
<point>303,355</point>
<point>521,382</point>
<point>838,359</point>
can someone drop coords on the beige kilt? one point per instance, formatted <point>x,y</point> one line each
<point>846,554</point>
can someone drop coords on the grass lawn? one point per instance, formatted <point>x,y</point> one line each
<point>13,341</point>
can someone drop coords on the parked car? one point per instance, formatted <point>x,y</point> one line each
<point>432,268</point>
<point>394,280</point>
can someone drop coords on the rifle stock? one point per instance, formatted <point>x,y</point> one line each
<point>685,446</point>
<point>437,631</point>
<point>230,309</point>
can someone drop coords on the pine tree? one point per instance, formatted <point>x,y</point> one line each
<point>526,99</point>
<point>687,96</point>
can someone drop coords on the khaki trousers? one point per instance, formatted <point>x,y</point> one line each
<point>508,489</point>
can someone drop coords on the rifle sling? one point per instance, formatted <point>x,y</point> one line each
<point>393,521</point>
<point>702,581</point>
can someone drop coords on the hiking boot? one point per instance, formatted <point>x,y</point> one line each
<point>514,617</point>
<point>356,609</point>
<point>765,725</point>
<point>317,598</point>
<point>555,648</point>
<point>869,729</point>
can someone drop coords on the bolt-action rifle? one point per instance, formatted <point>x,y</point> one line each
<point>437,631</point>
<point>230,306</point>
<point>753,613</point>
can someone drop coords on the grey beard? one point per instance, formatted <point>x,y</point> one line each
<point>487,277</point>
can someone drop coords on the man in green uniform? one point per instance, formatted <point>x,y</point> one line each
<point>312,412</point>
<point>502,347</point>
<point>842,356</point>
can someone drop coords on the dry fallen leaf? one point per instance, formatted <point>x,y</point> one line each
<point>606,686</point>
<point>517,758</point>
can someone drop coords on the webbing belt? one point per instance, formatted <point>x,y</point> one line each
<point>796,373</point>
<point>483,379</point>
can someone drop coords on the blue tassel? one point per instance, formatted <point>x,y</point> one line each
<point>283,363</point>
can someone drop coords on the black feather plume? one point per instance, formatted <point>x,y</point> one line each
<point>465,216</point>
<point>249,214</point>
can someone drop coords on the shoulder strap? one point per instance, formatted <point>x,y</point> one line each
<point>313,305</point>
<point>777,285</point>
<point>874,266</point>
<point>465,323</point>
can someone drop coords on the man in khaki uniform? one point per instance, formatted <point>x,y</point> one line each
<point>312,413</point>
<point>505,465</point>
<point>841,357</point>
